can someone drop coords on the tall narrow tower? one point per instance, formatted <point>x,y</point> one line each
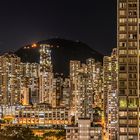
<point>128,77</point>
<point>45,79</point>
<point>110,71</point>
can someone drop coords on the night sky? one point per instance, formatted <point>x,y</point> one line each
<point>91,21</point>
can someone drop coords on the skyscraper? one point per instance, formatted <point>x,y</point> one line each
<point>9,79</point>
<point>46,74</point>
<point>86,88</point>
<point>110,70</point>
<point>128,76</point>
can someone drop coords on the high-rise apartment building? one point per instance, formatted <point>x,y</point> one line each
<point>57,86</point>
<point>29,83</point>
<point>86,88</point>
<point>85,130</point>
<point>9,79</point>
<point>46,75</point>
<point>128,38</point>
<point>66,93</point>
<point>110,70</point>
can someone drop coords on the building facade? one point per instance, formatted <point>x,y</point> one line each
<point>9,79</point>
<point>46,75</point>
<point>128,69</point>
<point>40,116</point>
<point>84,131</point>
<point>86,88</point>
<point>110,70</point>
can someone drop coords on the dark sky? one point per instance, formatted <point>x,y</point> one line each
<point>90,21</point>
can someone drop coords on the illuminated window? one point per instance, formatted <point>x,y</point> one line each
<point>122,51</point>
<point>132,28</point>
<point>123,121</point>
<point>122,20</point>
<point>132,102</point>
<point>122,28</point>
<point>123,129</point>
<point>122,113</point>
<point>132,4</point>
<point>122,5</point>
<point>132,13</point>
<point>132,130</point>
<point>132,20</point>
<point>122,44</point>
<point>123,137</point>
<point>122,75</point>
<point>132,36</point>
<point>123,102</point>
<point>122,60</point>
<point>132,44</point>
<point>122,12</point>
<point>132,60</point>
<point>122,36</point>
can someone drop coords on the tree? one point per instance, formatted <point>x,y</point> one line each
<point>61,134</point>
<point>17,133</point>
<point>55,134</point>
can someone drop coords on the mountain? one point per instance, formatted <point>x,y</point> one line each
<point>62,52</point>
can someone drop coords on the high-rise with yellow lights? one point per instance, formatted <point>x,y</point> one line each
<point>46,75</point>
<point>110,70</point>
<point>9,79</point>
<point>29,83</point>
<point>128,38</point>
<point>86,88</point>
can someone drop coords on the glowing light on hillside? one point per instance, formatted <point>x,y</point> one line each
<point>34,45</point>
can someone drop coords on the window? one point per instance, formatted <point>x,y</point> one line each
<point>132,92</point>
<point>123,129</point>
<point>132,60</point>
<point>132,44</point>
<point>132,68</point>
<point>132,36</point>
<point>123,137</point>
<point>132,122</point>
<point>132,52</point>
<point>122,60</point>
<point>122,36</point>
<point>122,92</point>
<point>122,102</point>
<point>122,83</point>
<point>122,52</point>
<point>122,28</point>
<point>122,12</point>
<point>122,68</point>
<point>122,113</point>
<point>122,44</point>
<point>132,28</point>
<point>132,13</point>
<point>132,130</point>
<point>122,20</point>
<point>132,20</point>
<point>132,76</point>
<point>132,114</point>
<point>123,76</point>
<point>132,102</point>
<point>132,4</point>
<point>122,5</point>
<point>123,121</point>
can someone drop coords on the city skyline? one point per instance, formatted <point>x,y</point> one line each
<point>67,86</point>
